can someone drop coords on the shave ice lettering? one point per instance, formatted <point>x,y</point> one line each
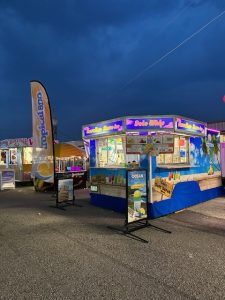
<point>41,117</point>
<point>136,176</point>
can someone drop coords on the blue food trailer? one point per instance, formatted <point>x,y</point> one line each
<point>181,156</point>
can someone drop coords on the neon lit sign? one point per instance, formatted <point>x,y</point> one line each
<point>14,143</point>
<point>103,128</point>
<point>190,126</point>
<point>149,123</point>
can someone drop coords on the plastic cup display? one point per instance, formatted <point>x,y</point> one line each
<point>137,200</point>
<point>137,205</point>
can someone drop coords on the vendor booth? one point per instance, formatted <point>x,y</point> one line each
<point>70,162</point>
<point>16,154</point>
<point>181,157</point>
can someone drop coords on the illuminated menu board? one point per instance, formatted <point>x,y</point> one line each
<point>103,128</point>
<point>189,126</point>
<point>149,123</point>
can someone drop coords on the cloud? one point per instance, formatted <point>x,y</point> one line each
<point>84,52</point>
<point>78,16</point>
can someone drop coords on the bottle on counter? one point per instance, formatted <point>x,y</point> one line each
<point>174,176</point>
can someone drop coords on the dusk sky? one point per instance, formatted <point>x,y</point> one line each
<point>98,60</point>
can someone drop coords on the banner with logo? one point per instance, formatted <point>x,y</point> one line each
<point>137,196</point>
<point>43,155</point>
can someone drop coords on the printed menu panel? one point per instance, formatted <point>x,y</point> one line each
<point>65,190</point>
<point>137,196</point>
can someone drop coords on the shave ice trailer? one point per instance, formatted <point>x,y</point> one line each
<point>181,157</point>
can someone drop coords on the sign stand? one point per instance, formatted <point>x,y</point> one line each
<point>136,204</point>
<point>65,193</point>
<point>127,230</point>
<point>7,179</point>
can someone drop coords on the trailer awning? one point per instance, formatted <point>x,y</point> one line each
<point>67,150</point>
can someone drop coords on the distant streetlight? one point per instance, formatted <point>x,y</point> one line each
<point>55,126</point>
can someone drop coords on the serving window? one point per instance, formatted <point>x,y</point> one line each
<point>180,155</point>
<point>13,156</point>
<point>70,164</point>
<point>27,155</point>
<point>3,158</point>
<point>111,152</point>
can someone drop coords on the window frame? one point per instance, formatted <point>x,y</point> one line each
<point>107,138</point>
<point>172,163</point>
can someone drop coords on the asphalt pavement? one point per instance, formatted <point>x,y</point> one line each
<point>47,253</point>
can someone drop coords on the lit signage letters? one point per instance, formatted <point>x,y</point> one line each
<point>103,128</point>
<point>190,126</point>
<point>149,123</point>
<point>13,143</point>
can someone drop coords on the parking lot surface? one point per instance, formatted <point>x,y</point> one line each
<point>47,253</point>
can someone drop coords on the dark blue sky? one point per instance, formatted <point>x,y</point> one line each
<point>87,53</point>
